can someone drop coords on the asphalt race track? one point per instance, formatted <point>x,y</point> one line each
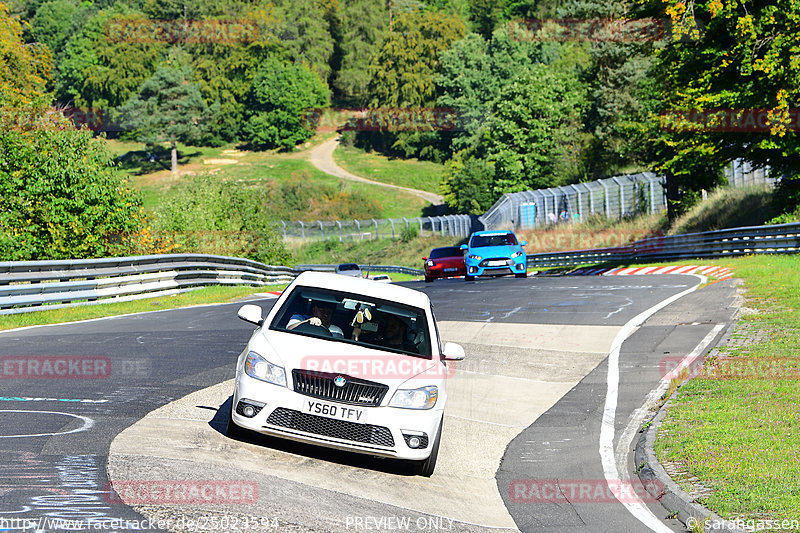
<point>541,417</point>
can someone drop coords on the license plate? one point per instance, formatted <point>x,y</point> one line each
<point>450,269</point>
<point>496,263</point>
<point>339,412</point>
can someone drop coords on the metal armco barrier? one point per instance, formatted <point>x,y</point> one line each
<point>777,239</point>
<point>40,285</point>
<point>391,269</point>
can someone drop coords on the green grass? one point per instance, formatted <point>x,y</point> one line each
<point>736,426</point>
<point>206,295</point>
<point>728,207</point>
<point>413,173</point>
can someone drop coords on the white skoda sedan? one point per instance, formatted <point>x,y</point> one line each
<point>346,363</point>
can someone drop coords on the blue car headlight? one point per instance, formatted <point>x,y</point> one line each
<point>516,254</point>
<point>475,257</point>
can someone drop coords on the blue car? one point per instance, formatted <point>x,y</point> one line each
<point>495,253</point>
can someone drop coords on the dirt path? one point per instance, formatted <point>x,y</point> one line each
<point>321,156</point>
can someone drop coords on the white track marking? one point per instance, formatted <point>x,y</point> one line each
<point>87,424</point>
<point>607,457</point>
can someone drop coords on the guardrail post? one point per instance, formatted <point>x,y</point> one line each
<point>302,229</point>
<point>621,196</point>
<point>392,223</point>
<point>420,225</point>
<point>321,229</point>
<point>284,229</point>
<point>358,225</point>
<point>376,228</point>
<point>340,230</point>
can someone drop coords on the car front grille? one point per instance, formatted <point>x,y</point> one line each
<point>329,427</point>
<point>354,391</point>
<point>486,262</point>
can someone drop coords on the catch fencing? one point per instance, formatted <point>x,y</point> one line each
<point>349,230</point>
<point>611,198</point>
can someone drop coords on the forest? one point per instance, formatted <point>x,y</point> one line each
<point>524,94</point>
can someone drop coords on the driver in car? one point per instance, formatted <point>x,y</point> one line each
<point>321,314</point>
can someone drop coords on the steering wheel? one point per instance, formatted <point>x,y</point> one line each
<point>319,331</point>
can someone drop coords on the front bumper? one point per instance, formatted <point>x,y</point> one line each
<point>382,431</point>
<point>490,267</point>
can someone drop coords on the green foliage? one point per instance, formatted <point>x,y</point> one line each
<point>364,26</point>
<point>208,215</point>
<point>304,28</point>
<point>467,184</point>
<point>409,233</point>
<point>402,74</point>
<point>281,97</point>
<point>60,196</point>
<point>103,66</point>
<point>167,108</point>
<point>23,69</point>
<point>745,57</point>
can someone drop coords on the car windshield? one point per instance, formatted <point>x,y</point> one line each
<point>355,319</point>
<point>451,251</point>
<point>498,239</point>
<point>349,267</point>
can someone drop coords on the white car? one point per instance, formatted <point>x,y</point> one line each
<point>371,380</point>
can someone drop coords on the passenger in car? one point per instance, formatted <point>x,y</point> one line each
<point>395,334</point>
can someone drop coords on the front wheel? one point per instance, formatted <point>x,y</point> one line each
<point>467,277</point>
<point>428,280</point>
<point>523,275</point>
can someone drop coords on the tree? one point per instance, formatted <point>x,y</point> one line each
<point>743,63</point>
<point>281,98</point>
<point>304,31</point>
<point>60,195</point>
<point>364,26</point>
<point>106,62</point>
<point>24,68</point>
<point>402,73</point>
<point>167,108</point>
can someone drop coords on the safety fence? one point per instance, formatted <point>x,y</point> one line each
<point>349,230</point>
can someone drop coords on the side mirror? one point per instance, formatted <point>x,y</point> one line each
<point>453,352</point>
<point>524,243</point>
<point>251,313</point>
<point>424,258</point>
<point>464,247</point>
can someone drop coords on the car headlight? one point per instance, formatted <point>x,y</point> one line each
<point>257,367</point>
<point>475,257</point>
<point>516,254</point>
<point>429,263</point>
<point>422,398</point>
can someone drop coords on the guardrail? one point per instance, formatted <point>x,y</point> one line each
<point>391,269</point>
<point>777,239</point>
<point>37,285</point>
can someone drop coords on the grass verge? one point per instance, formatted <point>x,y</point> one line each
<point>735,426</point>
<point>413,173</point>
<point>205,295</point>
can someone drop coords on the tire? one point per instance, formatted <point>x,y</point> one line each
<point>524,275</point>
<point>425,468</point>
<point>467,277</point>
<point>428,280</point>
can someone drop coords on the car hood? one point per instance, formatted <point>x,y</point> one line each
<point>296,351</point>
<point>495,251</point>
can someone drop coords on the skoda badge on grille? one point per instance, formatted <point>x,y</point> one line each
<point>339,381</point>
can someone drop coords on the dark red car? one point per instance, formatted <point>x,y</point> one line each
<point>445,262</point>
